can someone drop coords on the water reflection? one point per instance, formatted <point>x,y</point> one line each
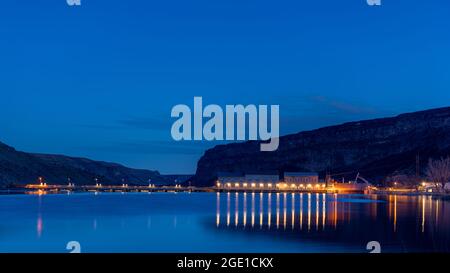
<point>244,208</point>
<point>149,221</point>
<point>269,209</point>
<point>253,209</point>
<point>309,212</point>
<point>423,214</point>
<point>288,212</point>
<point>228,209</point>
<point>39,225</point>
<point>301,211</point>
<point>217,209</point>
<point>236,211</point>
<point>395,213</point>
<point>284,210</point>
<point>324,212</point>
<point>261,210</point>
<point>293,211</point>
<point>317,211</point>
<point>296,221</point>
<point>278,210</point>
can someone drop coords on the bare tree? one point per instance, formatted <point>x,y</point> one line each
<point>438,171</point>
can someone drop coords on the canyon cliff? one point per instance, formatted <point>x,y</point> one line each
<point>18,168</point>
<point>376,149</point>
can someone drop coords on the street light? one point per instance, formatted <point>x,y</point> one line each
<point>69,180</point>
<point>96,183</point>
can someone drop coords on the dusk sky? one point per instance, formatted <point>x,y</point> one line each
<point>99,80</point>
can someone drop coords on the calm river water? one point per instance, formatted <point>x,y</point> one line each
<point>225,222</point>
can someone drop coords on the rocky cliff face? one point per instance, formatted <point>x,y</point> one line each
<point>22,168</point>
<point>375,148</point>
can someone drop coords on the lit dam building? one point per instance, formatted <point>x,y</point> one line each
<point>290,181</point>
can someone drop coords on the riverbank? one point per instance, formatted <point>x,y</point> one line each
<point>61,189</point>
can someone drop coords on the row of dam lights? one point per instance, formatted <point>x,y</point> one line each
<point>99,185</point>
<point>270,185</point>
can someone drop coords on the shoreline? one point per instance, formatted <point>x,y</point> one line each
<point>28,191</point>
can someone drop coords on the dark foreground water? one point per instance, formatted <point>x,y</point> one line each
<point>210,222</point>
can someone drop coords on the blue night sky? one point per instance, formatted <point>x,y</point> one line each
<point>99,80</point>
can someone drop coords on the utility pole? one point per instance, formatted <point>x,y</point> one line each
<point>329,169</point>
<point>417,165</point>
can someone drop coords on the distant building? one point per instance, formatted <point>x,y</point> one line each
<point>301,177</point>
<point>262,178</point>
<point>230,177</point>
<point>240,180</point>
<point>270,181</point>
